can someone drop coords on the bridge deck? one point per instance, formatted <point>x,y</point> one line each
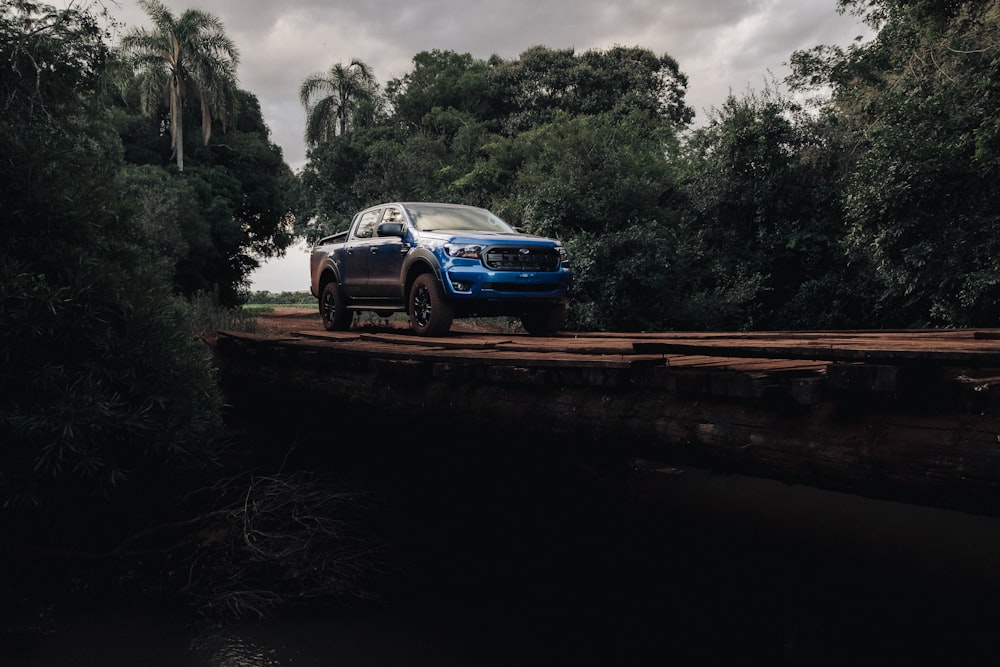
<point>971,355</point>
<point>911,415</point>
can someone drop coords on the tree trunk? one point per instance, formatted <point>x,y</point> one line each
<point>177,127</point>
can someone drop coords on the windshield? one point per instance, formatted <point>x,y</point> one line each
<point>428,217</point>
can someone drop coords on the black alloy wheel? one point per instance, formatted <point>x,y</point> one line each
<point>336,316</point>
<point>429,314</point>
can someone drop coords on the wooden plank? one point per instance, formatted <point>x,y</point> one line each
<point>937,355</point>
<point>374,348</point>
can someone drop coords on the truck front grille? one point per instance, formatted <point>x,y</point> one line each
<point>522,259</point>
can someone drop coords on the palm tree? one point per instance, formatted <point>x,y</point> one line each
<point>181,60</point>
<point>331,99</point>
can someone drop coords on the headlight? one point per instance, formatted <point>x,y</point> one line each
<point>464,251</point>
<point>563,256</point>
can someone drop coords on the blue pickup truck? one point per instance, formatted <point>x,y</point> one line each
<point>437,262</point>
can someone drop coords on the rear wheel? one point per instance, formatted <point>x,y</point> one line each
<point>332,306</point>
<point>430,315</point>
<point>544,320</point>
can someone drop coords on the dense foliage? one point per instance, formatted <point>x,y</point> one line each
<point>101,380</point>
<point>227,202</point>
<point>105,393</point>
<point>922,106</point>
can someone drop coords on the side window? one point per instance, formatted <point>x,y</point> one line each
<point>393,214</point>
<point>366,226</point>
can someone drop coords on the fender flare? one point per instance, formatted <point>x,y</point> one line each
<point>419,256</point>
<point>328,268</point>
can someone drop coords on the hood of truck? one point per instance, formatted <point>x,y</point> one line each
<point>484,238</point>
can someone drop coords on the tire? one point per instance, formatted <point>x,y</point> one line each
<point>544,320</point>
<point>429,314</point>
<point>332,307</point>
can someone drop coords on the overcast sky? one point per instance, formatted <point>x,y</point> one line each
<point>722,46</point>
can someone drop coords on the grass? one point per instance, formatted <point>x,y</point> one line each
<point>270,307</point>
<point>206,317</point>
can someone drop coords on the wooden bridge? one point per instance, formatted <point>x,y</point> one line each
<point>900,415</point>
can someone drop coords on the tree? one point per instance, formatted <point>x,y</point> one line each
<point>587,174</point>
<point>921,205</point>
<point>233,202</point>
<point>327,197</point>
<point>332,100</point>
<point>763,183</point>
<point>543,82</point>
<point>443,82</point>
<point>183,59</point>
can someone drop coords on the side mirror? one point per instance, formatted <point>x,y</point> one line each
<point>392,229</point>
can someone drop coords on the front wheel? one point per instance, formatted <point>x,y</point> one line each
<point>430,315</point>
<point>544,320</point>
<point>332,306</point>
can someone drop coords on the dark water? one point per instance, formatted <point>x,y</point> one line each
<point>514,555</point>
